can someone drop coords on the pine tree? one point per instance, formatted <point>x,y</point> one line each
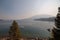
<point>56,30</point>
<point>14,33</point>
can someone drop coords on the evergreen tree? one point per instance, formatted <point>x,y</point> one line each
<point>56,30</point>
<point>14,33</point>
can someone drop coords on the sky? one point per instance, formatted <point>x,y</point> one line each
<point>20,9</point>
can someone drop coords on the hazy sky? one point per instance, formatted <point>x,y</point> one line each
<point>19,9</point>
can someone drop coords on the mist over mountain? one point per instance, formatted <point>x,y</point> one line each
<point>40,18</point>
<point>36,18</point>
<point>51,19</point>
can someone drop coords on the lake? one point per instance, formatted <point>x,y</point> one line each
<point>28,28</point>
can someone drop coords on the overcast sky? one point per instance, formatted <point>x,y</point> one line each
<point>19,9</point>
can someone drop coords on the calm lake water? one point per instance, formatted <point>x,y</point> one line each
<point>28,28</point>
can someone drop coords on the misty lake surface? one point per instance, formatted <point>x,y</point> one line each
<point>28,28</point>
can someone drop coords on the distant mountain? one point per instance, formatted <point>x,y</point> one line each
<point>1,20</point>
<point>45,19</point>
<point>36,18</point>
<point>40,16</point>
